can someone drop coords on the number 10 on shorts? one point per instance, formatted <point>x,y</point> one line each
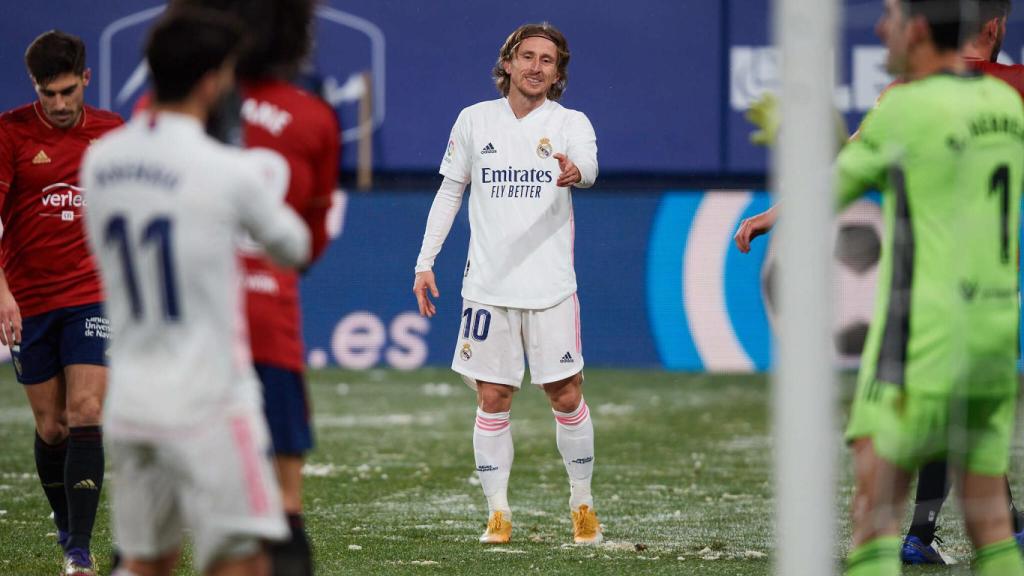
<point>477,325</point>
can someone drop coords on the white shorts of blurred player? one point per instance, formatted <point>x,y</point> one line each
<point>495,342</point>
<point>216,481</point>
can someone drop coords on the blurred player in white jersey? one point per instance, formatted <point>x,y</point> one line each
<point>278,115</point>
<point>166,205</point>
<point>521,155</point>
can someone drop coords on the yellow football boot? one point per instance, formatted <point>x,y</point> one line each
<point>499,529</point>
<point>585,527</point>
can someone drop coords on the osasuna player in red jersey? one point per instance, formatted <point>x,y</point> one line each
<point>50,294</point>
<point>982,51</point>
<point>278,115</point>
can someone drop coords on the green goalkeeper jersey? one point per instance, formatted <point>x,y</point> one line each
<point>947,151</point>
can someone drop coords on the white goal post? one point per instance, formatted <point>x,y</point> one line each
<point>804,392</point>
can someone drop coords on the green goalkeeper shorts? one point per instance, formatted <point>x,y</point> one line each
<point>975,434</point>
<point>864,411</point>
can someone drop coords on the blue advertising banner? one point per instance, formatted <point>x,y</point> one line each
<point>663,81</point>
<point>428,60</point>
<point>661,284</point>
<point>359,310</point>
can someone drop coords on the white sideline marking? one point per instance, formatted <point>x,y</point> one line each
<point>375,421</point>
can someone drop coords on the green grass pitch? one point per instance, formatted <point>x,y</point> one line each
<point>682,480</point>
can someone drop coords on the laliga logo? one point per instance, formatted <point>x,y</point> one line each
<point>346,46</point>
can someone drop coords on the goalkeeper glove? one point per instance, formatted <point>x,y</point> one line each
<point>764,115</point>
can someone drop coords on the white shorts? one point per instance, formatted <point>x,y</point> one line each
<point>493,341</point>
<point>218,482</point>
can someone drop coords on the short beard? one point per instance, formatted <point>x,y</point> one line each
<point>996,49</point>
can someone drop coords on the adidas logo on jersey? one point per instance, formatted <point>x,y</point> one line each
<point>567,359</point>
<point>86,484</point>
<point>489,149</point>
<point>41,158</point>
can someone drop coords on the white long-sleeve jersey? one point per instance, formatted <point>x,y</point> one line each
<point>165,207</point>
<point>521,222</point>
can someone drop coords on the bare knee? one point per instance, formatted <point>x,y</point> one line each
<point>48,403</point>
<point>494,398</point>
<point>986,509</point>
<point>565,395</point>
<point>86,387</point>
<point>85,410</point>
<point>53,429</point>
<point>51,423</point>
<point>879,495</point>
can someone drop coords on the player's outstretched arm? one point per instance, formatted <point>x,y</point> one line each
<point>10,315</point>
<point>753,227</point>
<point>577,165</point>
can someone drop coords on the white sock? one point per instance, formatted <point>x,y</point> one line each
<point>492,447</point>
<point>574,434</point>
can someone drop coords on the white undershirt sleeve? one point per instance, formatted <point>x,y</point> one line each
<point>582,149</point>
<point>439,222</point>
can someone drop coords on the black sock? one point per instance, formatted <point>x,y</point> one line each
<point>1015,515</point>
<point>932,490</point>
<point>293,557</point>
<point>83,480</point>
<point>50,459</point>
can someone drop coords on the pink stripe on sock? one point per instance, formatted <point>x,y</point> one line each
<point>582,413</point>
<point>257,492</point>
<point>492,426</point>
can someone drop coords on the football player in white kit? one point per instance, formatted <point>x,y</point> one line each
<point>521,155</point>
<point>165,207</point>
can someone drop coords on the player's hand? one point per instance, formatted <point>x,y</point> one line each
<point>753,227</point>
<point>764,115</point>
<point>425,281</point>
<point>10,319</point>
<point>570,174</point>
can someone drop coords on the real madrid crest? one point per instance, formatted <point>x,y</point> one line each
<point>544,149</point>
<point>466,353</point>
